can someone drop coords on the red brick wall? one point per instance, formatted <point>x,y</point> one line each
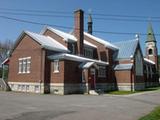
<point>69,72</point>
<point>72,72</point>
<point>59,76</point>
<point>102,52</point>
<point>123,76</point>
<point>26,48</point>
<point>78,30</point>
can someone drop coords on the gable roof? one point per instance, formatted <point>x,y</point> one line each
<point>99,40</point>
<point>86,65</point>
<point>66,36</point>
<point>45,41</point>
<point>126,49</point>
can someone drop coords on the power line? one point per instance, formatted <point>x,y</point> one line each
<point>67,12</point>
<point>60,15</point>
<point>66,27</point>
<point>69,16</point>
<point>36,11</point>
<point>32,22</point>
<point>33,14</point>
<point>128,16</point>
<point>129,20</point>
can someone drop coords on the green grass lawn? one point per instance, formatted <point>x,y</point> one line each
<point>132,92</point>
<point>121,92</point>
<point>154,115</point>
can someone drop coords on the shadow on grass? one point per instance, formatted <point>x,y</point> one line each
<point>132,92</point>
<point>153,115</point>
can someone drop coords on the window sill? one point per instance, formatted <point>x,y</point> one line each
<point>24,73</point>
<point>56,72</point>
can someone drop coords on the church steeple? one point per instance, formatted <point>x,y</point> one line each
<point>150,34</point>
<point>90,24</point>
<point>151,47</point>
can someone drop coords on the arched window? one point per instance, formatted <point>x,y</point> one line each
<point>150,51</point>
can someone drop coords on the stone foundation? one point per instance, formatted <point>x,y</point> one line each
<point>105,86</point>
<point>139,86</point>
<point>152,84</point>
<point>26,87</point>
<point>59,88</point>
<point>129,86</point>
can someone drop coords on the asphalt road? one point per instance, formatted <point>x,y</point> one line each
<point>24,106</point>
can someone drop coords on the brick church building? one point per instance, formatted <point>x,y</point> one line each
<point>57,62</point>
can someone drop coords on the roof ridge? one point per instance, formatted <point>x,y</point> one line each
<point>126,41</point>
<point>102,41</point>
<point>58,32</point>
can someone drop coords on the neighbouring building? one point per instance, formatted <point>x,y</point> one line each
<point>63,63</point>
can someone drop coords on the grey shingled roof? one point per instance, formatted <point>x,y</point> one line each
<point>126,49</point>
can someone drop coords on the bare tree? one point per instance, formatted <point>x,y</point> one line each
<point>5,48</point>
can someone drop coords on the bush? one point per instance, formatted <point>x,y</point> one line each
<point>5,73</point>
<point>0,72</point>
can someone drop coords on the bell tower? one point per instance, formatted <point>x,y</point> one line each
<point>90,24</point>
<point>151,47</point>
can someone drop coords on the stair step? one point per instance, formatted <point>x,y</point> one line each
<point>93,92</point>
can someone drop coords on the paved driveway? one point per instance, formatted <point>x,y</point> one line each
<point>22,106</point>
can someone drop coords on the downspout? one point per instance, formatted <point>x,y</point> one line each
<point>3,71</point>
<point>42,68</point>
<point>4,82</point>
<point>131,80</point>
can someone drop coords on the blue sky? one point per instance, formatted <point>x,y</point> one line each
<point>10,29</point>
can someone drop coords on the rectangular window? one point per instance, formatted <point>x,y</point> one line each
<point>19,88</point>
<point>102,71</point>
<point>56,66</point>
<point>24,65</point>
<point>71,47</point>
<point>27,88</point>
<point>88,52</point>
<point>20,66</point>
<point>36,89</point>
<point>28,67</point>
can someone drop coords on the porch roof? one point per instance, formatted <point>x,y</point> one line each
<point>6,61</point>
<point>76,58</point>
<point>149,61</point>
<point>123,66</point>
<point>86,65</point>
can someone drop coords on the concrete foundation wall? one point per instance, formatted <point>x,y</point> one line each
<point>59,88</point>
<point>26,87</point>
<point>62,89</point>
<point>128,87</point>
<point>105,86</point>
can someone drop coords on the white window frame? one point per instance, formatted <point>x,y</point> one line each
<point>24,65</point>
<point>102,71</point>
<point>56,66</point>
<point>72,47</point>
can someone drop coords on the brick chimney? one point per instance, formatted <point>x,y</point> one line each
<point>78,30</point>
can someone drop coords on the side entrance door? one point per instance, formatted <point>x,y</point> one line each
<point>92,78</point>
